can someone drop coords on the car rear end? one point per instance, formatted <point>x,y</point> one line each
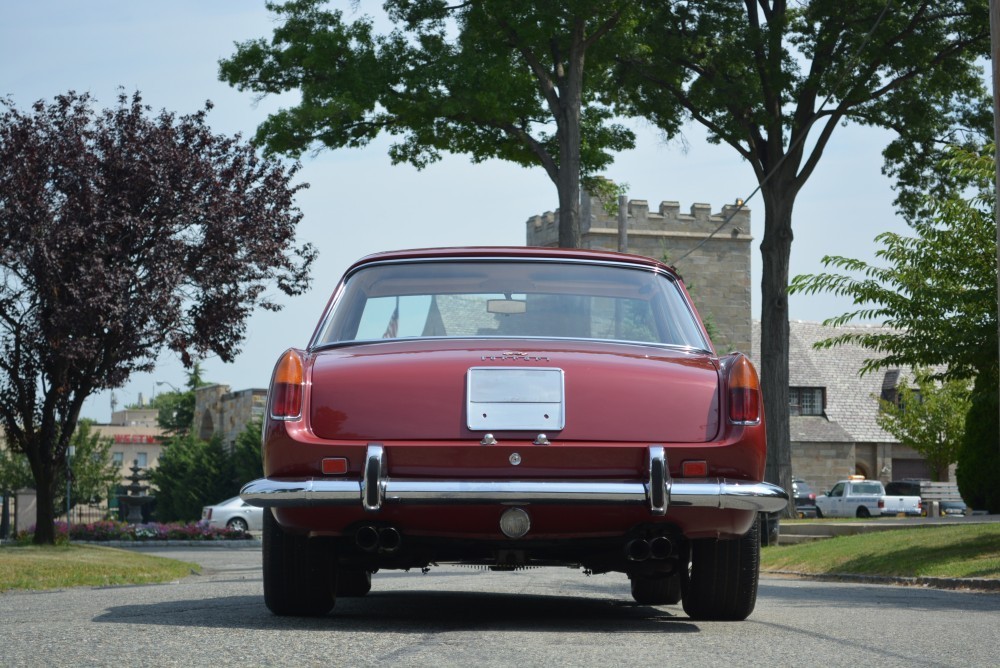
<point>537,422</point>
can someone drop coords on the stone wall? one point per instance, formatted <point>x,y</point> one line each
<point>218,410</point>
<point>717,273</point>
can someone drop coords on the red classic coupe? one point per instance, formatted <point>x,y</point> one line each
<point>512,408</point>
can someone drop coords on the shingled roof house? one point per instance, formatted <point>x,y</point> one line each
<point>833,425</point>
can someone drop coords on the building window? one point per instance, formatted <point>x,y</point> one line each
<point>140,459</point>
<point>117,458</point>
<point>805,400</point>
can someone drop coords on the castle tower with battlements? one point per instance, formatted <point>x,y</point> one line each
<point>710,250</point>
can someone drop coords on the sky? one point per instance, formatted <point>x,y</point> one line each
<point>359,203</point>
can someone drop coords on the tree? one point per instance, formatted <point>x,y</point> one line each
<point>94,474</point>
<point>190,474</point>
<point>937,291</point>
<point>929,418</point>
<point>247,458</point>
<point>527,82</point>
<point>773,80</point>
<point>123,233</point>
<point>175,409</point>
<point>15,473</point>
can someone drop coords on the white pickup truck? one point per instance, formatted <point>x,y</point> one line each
<point>896,505</point>
<point>854,497</point>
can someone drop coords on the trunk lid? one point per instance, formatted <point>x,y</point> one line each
<point>419,391</point>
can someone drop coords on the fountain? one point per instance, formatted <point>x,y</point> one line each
<point>136,496</point>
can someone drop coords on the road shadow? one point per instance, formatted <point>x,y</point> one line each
<point>418,612</point>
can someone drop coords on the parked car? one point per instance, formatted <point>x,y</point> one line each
<point>805,498</point>
<point>854,497</point>
<point>899,505</point>
<point>234,513</point>
<point>953,508</point>
<point>513,408</point>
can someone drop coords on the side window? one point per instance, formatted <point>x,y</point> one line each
<point>838,489</point>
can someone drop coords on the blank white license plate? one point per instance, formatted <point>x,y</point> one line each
<point>515,399</point>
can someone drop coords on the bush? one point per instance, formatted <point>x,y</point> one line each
<point>108,530</point>
<point>978,472</point>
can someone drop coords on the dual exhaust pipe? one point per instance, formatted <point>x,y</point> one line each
<point>385,540</point>
<point>641,549</point>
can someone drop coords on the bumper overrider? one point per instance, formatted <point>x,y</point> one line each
<point>376,490</point>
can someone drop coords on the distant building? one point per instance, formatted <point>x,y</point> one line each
<point>833,410</point>
<point>136,437</point>
<point>219,410</point>
<point>710,250</point>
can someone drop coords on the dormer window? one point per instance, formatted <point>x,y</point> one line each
<point>806,400</point>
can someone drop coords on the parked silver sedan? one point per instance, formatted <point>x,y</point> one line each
<point>234,514</point>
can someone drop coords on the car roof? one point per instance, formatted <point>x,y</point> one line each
<point>514,253</point>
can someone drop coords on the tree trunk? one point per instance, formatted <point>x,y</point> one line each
<point>568,129</point>
<point>775,250</point>
<point>45,513</point>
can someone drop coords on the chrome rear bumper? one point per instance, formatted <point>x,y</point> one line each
<point>376,489</point>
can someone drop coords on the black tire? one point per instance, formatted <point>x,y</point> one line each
<point>299,573</point>
<point>656,590</point>
<point>819,513</point>
<point>353,582</point>
<point>863,513</point>
<point>721,584</point>
<point>238,524</point>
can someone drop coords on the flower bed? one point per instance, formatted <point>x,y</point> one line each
<point>109,530</point>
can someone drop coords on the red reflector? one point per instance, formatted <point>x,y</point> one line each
<point>334,465</point>
<point>694,469</point>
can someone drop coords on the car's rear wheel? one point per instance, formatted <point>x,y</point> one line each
<point>819,513</point>
<point>863,513</point>
<point>721,583</point>
<point>353,582</point>
<point>656,589</point>
<point>238,524</point>
<point>299,573</point>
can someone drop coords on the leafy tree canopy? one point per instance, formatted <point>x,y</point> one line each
<point>528,82</point>
<point>123,233</point>
<point>937,289</point>
<point>929,417</point>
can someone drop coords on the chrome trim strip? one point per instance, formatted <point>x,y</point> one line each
<point>373,483</point>
<point>718,493</point>
<point>659,492</point>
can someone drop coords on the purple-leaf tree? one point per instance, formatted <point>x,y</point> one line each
<point>124,233</point>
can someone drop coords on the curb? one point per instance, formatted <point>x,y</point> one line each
<point>991,585</point>
<point>253,542</point>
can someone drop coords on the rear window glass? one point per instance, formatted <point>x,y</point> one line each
<point>867,488</point>
<point>511,299</point>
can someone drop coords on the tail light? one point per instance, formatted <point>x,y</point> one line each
<point>744,392</point>
<point>287,386</point>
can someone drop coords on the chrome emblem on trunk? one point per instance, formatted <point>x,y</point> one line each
<point>514,356</point>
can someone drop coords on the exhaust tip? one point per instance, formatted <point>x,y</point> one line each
<point>389,540</point>
<point>637,550</point>
<point>660,547</point>
<point>367,538</point>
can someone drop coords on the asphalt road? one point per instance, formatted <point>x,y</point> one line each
<point>466,617</point>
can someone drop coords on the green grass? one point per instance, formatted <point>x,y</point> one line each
<point>56,567</point>
<point>971,551</point>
